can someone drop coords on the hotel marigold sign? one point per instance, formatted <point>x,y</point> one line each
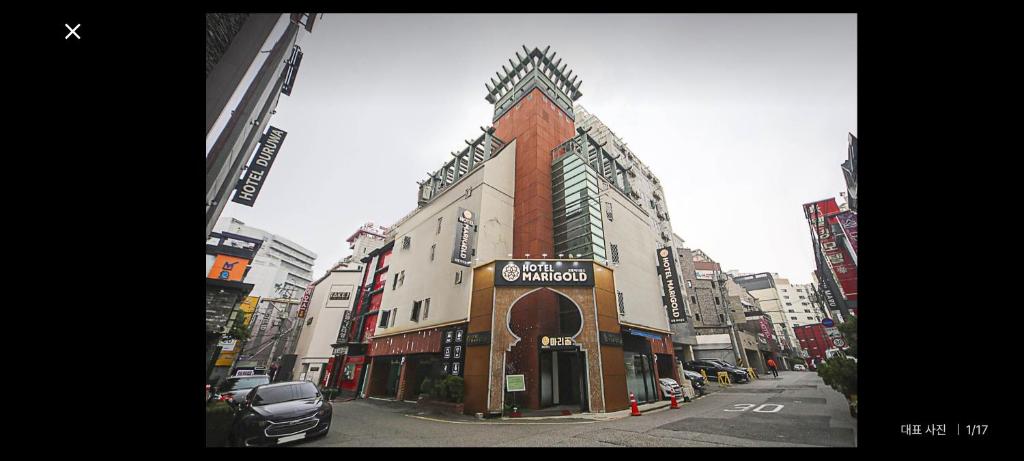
<point>673,296</point>
<point>543,273</point>
<point>465,230</point>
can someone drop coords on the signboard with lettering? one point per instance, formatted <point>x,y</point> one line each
<point>515,383</point>
<point>228,268</point>
<point>291,70</point>
<point>465,233</point>
<point>248,187</point>
<point>822,216</point>
<point>452,351</point>
<point>304,303</point>
<point>610,339</point>
<point>543,273</point>
<point>346,322</point>
<point>672,296</point>
<point>557,343</point>
<point>478,339</point>
<point>704,275</point>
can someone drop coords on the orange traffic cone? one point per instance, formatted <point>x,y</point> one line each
<point>675,405</point>
<point>632,402</point>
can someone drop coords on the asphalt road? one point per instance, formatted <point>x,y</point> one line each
<point>797,409</point>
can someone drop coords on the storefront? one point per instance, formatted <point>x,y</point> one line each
<point>400,363</point>
<point>555,326</point>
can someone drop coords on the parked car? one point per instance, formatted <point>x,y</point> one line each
<point>236,387</point>
<point>697,381</point>
<point>273,414</point>
<point>670,387</point>
<point>736,375</point>
<point>799,367</point>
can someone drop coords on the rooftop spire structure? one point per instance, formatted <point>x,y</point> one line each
<point>535,69</point>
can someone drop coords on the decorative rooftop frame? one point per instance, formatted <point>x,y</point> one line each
<point>608,165</point>
<point>475,154</point>
<point>535,70</point>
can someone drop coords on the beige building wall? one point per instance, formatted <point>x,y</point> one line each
<point>488,192</point>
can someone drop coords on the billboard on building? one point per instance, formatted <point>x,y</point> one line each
<point>848,222</point>
<point>821,216</point>
<point>230,268</point>
<point>248,306</point>
<point>543,273</point>
<point>672,296</point>
<point>249,186</point>
<point>465,233</point>
<point>304,303</point>
<point>704,275</point>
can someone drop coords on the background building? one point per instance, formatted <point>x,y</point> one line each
<point>773,293</point>
<point>228,259</point>
<point>334,296</point>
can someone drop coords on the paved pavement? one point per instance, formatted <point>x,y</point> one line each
<point>797,409</point>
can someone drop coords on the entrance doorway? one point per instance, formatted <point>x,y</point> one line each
<point>562,380</point>
<point>394,369</point>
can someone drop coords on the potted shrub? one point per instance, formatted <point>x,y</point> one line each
<point>426,388</point>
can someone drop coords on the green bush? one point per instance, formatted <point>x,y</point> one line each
<point>456,388</point>
<point>427,386</point>
<point>440,391</point>
<point>840,373</point>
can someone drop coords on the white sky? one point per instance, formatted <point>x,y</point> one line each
<point>743,117</point>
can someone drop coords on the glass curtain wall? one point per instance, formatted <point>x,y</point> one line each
<point>577,210</point>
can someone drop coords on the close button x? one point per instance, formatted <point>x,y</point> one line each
<point>72,32</point>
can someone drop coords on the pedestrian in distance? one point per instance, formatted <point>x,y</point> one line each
<point>773,368</point>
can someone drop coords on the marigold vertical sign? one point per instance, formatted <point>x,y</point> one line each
<point>673,297</point>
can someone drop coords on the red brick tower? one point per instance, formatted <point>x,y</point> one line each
<point>533,104</point>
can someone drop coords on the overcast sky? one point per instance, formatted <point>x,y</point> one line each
<point>743,117</point>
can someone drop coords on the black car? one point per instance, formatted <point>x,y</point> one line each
<point>273,414</point>
<point>696,381</point>
<point>736,375</point>
<point>236,387</point>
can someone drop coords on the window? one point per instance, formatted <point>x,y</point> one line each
<point>608,211</point>
<point>787,297</point>
<point>696,316</point>
<point>693,299</point>
<point>783,290</point>
<point>394,315</point>
<point>791,310</point>
<point>426,308</point>
<point>439,225</point>
<point>789,304</point>
<point>395,283</point>
<point>810,318</point>
<point>689,284</point>
<point>384,315</point>
<point>622,304</point>
<point>802,297</point>
<point>721,318</point>
<point>401,278</point>
<point>416,305</point>
<point>615,253</point>
<point>716,300</point>
<point>794,318</point>
<point>432,248</point>
<point>807,310</point>
<point>458,277</point>
<point>406,242</point>
<point>309,322</point>
<point>805,304</point>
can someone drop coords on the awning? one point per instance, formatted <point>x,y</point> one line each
<point>643,333</point>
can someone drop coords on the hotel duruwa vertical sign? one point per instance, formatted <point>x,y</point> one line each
<point>249,186</point>
<point>673,297</point>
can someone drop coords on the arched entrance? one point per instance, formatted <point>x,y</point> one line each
<point>546,326</point>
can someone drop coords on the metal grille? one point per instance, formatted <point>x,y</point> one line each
<point>291,427</point>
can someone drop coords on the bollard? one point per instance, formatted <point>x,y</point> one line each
<point>635,408</point>
<point>675,405</point>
